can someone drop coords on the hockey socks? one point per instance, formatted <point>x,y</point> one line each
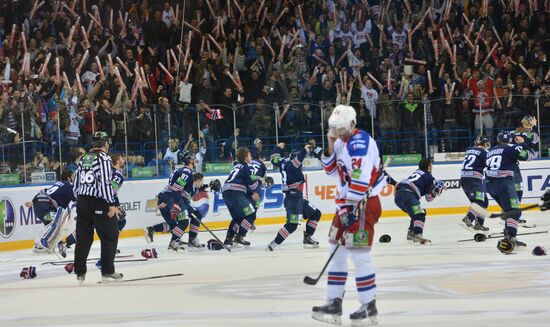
<point>162,227</point>
<point>284,232</point>
<point>311,226</point>
<point>336,283</point>
<point>193,230</point>
<point>366,288</point>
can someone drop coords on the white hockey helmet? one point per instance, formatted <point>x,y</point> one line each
<point>342,120</point>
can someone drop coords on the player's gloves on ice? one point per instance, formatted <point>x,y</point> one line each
<point>438,188</point>
<point>215,185</point>
<point>349,220</point>
<point>545,201</point>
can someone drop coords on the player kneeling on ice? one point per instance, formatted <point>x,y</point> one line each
<point>174,201</point>
<point>471,181</point>
<point>200,202</point>
<point>407,198</point>
<point>297,208</point>
<point>353,159</point>
<point>502,161</point>
<point>49,206</point>
<point>235,189</point>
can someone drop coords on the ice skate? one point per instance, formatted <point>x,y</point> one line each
<point>80,279</point>
<point>228,242</point>
<point>111,278</point>
<point>309,242</point>
<point>195,243</point>
<point>467,224</point>
<point>176,246</point>
<point>409,235</point>
<point>365,316</point>
<point>272,246</point>
<point>330,313</point>
<point>148,232</point>
<point>480,228</point>
<point>61,250</point>
<point>517,242</point>
<point>252,229</point>
<point>420,240</point>
<point>239,239</point>
<point>39,249</point>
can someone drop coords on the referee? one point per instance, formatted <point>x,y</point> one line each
<point>95,207</point>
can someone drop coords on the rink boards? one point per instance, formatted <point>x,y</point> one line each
<point>18,226</point>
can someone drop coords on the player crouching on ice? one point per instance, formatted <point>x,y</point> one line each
<point>353,158</point>
<point>407,198</point>
<point>471,181</point>
<point>174,201</point>
<point>50,206</point>
<point>297,208</point>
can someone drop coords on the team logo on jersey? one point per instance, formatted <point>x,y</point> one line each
<point>7,218</point>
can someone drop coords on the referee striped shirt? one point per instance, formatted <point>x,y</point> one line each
<point>94,175</point>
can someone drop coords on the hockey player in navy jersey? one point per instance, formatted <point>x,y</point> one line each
<point>297,208</point>
<point>502,161</point>
<point>527,137</point>
<point>407,198</point>
<point>117,181</point>
<point>471,181</point>
<point>174,202</point>
<point>234,192</point>
<point>48,206</point>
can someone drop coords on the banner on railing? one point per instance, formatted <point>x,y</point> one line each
<point>218,168</point>
<point>404,159</point>
<point>41,177</point>
<point>142,172</point>
<point>9,179</point>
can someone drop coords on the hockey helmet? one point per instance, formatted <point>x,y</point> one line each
<point>341,119</point>
<point>528,121</point>
<point>100,139</point>
<point>481,140</point>
<point>185,157</point>
<point>539,250</point>
<point>505,137</point>
<point>506,246</point>
<point>215,185</point>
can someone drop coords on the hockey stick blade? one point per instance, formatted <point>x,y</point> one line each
<point>310,281</point>
<point>89,259</point>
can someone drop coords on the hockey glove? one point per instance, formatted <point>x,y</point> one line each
<point>203,188</point>
<point>439,187</point>
<point>348,218</point>
<point>194,213</point>
<point>215,185</point>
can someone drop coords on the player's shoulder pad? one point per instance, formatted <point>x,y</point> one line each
<point>358,145</point>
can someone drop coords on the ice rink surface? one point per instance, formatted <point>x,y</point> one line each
<point>446,284</point>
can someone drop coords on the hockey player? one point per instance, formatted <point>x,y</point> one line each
<point>118,180</point>
<point>174,201</point>
<point>502,160</point>
<point>527,137</point>
<point>471,181</point>
<point>200,202</point>
<point>48,206</point>
<point>407,197</point>
<point>297,208</point>
<point>234,192</point>
<point>353,158</point>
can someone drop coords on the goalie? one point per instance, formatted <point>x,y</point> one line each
<point>49,206</point>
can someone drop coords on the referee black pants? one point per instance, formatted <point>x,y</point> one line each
<point>92,212</point>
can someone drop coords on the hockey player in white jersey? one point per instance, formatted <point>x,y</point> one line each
<point>353,159</point>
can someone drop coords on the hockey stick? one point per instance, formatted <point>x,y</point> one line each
<point>141,278</point>
<point>313,281</point>
<point>117,261</point>
<point>89,259</point>
<point>479,210</point>
<point>211,233</point>
<point>480,237</point>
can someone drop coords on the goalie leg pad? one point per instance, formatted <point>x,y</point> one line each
<point>56,229</point>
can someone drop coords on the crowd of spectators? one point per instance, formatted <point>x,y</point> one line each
<point>134,68</point>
